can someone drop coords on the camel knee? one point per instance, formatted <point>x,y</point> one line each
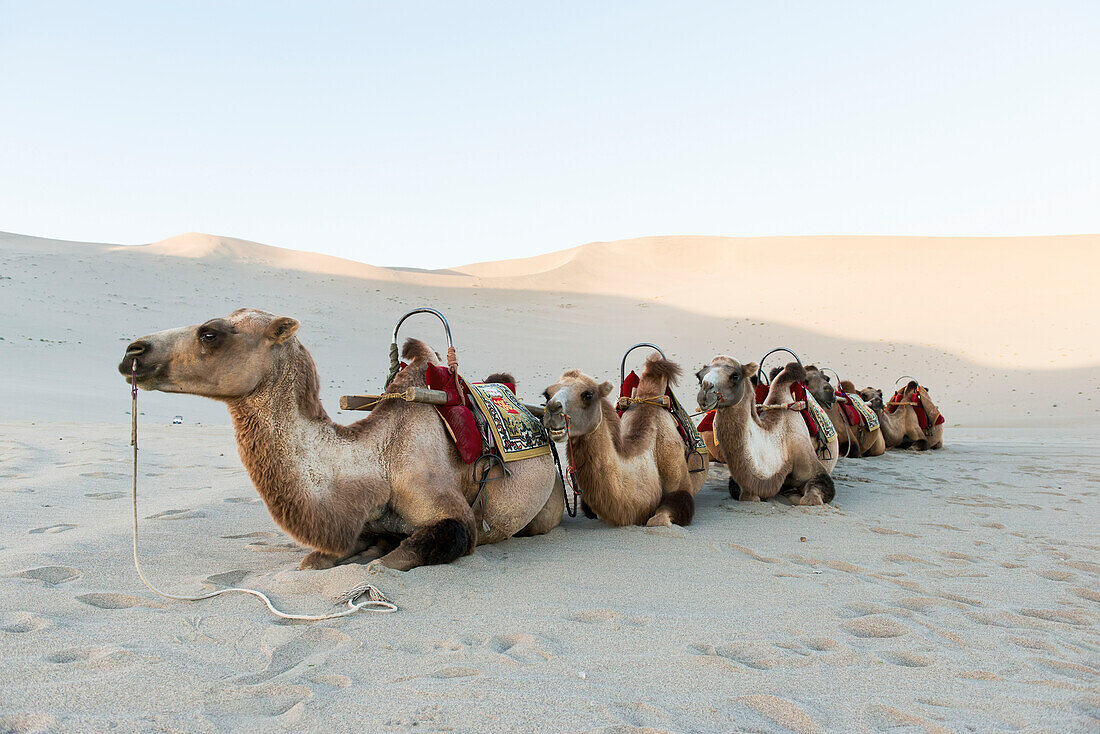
<point>442,542</point>
<point>818,491</point>
<point>679,507</point>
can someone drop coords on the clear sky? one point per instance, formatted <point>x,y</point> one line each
<point>439,133</point>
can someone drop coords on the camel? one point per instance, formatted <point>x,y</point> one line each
<point>853,441</point>
<point>394,476</point>
<point>900,424</point>
<point>630,470</point>
<point>770,452</point>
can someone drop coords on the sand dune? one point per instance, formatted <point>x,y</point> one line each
<point>940,592</point>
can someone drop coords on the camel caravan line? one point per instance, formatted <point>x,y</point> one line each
<point>441,464</point>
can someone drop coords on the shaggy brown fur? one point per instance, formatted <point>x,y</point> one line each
<point>501,377</point>
<point>632,470</point>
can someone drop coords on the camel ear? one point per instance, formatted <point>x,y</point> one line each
<point>749,370</point>
<point>281,329</point>
<point>605,389</point>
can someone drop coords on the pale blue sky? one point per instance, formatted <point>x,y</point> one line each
<point>438,133</point>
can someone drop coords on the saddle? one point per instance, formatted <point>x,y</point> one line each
<point>486,418</point>
<point>914,400</point>
<point>693,442</point>
<point>856,411</point>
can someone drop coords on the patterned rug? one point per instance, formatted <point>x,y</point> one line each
<point>825,428</point>
<point>516,432</point>
<point>688,431</point>
<point>864,410</point>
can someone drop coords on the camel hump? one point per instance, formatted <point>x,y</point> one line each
<point>658,368</point>
<point>847,386</point>
<point>503,377</point>
<point>414,349</point>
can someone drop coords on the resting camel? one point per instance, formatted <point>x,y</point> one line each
<point>342,489</point>
<point>853,441</point>
<point>900,424</point>
<point>770,452</point>
<point>630,470</point>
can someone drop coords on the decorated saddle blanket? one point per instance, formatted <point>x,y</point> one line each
<point>918,408</point>
<point>508,426</point>
<point>693,442</point>
<point>516,433</point>
<point>824,430</point>
<point>856,411</point>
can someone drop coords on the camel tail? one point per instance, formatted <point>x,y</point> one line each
<point>501,377</point>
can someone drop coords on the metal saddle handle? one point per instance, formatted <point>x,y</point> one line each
<point>761,376</point>
<point>639,345</point>
<point>395,365</point>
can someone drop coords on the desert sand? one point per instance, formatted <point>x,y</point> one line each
<point>950,591</point>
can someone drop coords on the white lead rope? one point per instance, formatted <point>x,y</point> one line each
<point>376,601</point>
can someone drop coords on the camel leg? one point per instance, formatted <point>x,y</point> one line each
<point>319,560</point>
<point>676,508</point>
<point>442,542</point>
<point>739,493</point>
<point>817,491</point>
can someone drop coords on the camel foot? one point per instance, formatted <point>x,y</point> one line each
<point>317,561</point>
<point>813,497</point>
<point>440,543</point>
<point>735,489</point>
<point>661,519</point>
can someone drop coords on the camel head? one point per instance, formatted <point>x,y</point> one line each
<point>725,382</point>
<point>820,386</point>
<point>915,391</point>
<point>575,402</point>
<point>873,397</point>
<point>221,358</point>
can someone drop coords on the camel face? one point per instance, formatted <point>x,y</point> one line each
<point>574,402</point>
<point>821,387</point>
<point>724,382</point>
<point>221,358</point>
<point>873,397</point>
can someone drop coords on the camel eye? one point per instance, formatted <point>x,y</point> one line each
<point>207,336</point>
<point>735,376</point>
<point>587,396</point>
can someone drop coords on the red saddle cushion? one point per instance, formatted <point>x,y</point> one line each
<point>762,393</point>
<point>850,413</point>
<point>628,387</point>
<point>798,391</point>
<point>458,417</point>
<point>707,424</point>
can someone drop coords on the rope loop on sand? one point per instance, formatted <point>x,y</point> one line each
<point>376,601</point>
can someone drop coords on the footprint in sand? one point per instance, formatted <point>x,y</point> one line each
<point>781,711</point>
<point>28,723</point>
<point>454,672</point>
<point>177,515</point>
<point>49,575</point>
<point>51,529</point>
<point>229,578</point>
<point>105,495</point>
<point>522,648</point>
<point>242,500</point>
<point>877,717</point>
<point>310,647</point>
<point>257,534</point>
<point>77,655</point>
<point>875,627</point>
<point>233,706</point>
<point>116,601</point>
<point>22,622</point>
<point>907,659</point>
<point>103,475</point>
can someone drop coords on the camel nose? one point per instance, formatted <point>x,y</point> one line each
<point>137,348</point>
<point>554,406</point>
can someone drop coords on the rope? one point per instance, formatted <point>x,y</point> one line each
<point>407,396</point>
<point>376,601</point>
<point>660,401</point>
<point>395,364</point>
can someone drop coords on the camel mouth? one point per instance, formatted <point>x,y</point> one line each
<point>557,435</point>
<point>141,374</point>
